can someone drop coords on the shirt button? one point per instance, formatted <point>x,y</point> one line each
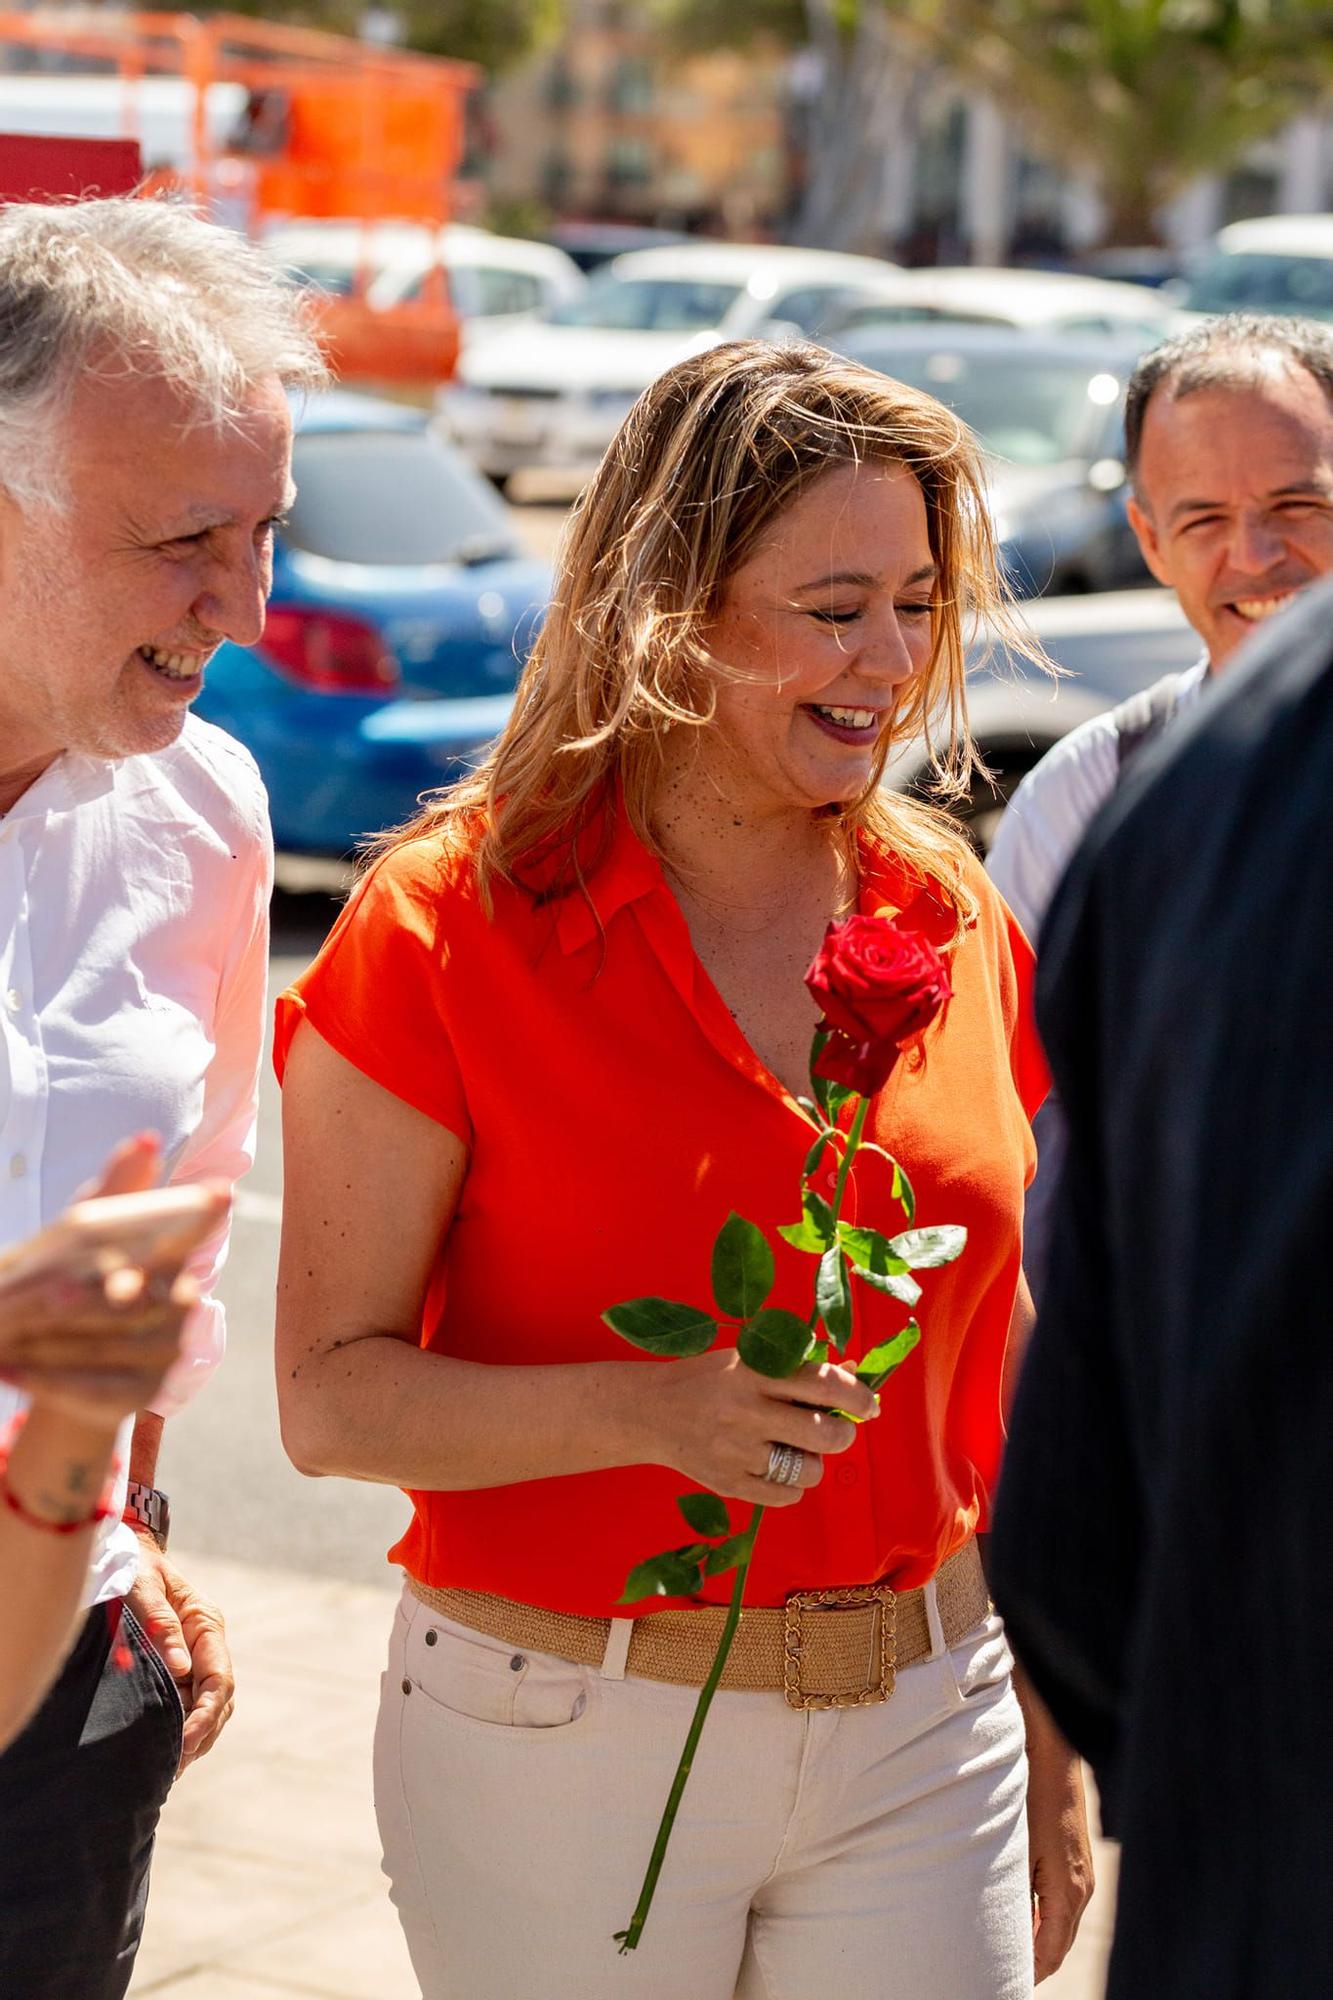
<point>846,1475</point>
<point>18,1166</point>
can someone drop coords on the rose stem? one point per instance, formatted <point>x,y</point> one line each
<point>849,1153</point>
<point>630,1937</point>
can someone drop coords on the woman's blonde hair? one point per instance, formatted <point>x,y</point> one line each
<point>707,459</point>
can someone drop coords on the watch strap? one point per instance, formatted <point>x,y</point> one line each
<point>148,1507</point>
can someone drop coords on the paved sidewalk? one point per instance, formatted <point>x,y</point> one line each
<point>267,1879</point>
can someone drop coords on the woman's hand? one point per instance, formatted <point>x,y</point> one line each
<point>1059,1847</point>
<point>92,1308</point>
<point>716,1421</point>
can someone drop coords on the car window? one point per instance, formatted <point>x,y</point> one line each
<point>814,308</point>
<point>657,305</point>
<point>391,498</point>
<point>1240,281</point>
<point>500,290</point>
<point>324,275</point>
<point>1029,415</point>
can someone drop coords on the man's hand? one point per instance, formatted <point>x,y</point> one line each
<point>188,1634</point>
<point>1059,1846</point>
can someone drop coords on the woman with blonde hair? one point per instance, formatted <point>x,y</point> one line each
<point>556,1036</point>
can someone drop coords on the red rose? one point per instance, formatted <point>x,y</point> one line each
<point>878,987</point>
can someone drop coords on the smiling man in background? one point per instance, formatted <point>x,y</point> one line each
<point>145,451</point>
<point>1229,450</point>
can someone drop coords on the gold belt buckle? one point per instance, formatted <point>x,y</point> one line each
<point>794,1637</point>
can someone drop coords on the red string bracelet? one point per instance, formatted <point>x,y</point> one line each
<point>31,1520</point>
<point>101,1512</point>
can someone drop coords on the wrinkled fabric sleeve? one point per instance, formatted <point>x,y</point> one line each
<point>378,991</point>
<point>222,1146</point>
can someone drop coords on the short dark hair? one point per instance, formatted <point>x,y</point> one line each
<point>1224,353</point>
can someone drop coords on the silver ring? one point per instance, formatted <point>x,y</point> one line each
<point>784,1465</point>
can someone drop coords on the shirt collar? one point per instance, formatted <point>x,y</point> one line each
<point>627,872</point>
<point>624,872</point>
<point>72,780</point>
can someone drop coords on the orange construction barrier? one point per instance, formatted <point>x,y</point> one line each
<point>331,128</point>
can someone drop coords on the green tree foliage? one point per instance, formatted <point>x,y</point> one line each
<point>1144,94</point>
<point>493,33</point>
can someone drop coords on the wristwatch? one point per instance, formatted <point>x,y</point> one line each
<point>148,1507</point>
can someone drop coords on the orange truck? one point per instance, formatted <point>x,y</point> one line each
<point>264,124</point>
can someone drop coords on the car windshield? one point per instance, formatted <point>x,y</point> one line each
<point>1237,281</point>
<point>392,499</point>
<point>333,275</point>
<point>1032,412</point>
<point>648,305</point>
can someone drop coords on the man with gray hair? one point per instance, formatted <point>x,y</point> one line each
<point>145,455</point>
<point>1229,449</point>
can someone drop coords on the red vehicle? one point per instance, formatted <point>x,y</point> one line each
<point>327,126</point>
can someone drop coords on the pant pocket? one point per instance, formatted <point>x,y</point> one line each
<point>488,1681</point>
<point>982,1664</point>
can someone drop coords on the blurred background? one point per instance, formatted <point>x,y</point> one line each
<point>511,215</point>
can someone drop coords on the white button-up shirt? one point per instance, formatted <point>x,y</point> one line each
<point>133,969</point>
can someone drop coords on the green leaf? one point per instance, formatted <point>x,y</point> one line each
<point>669,1575</point>
<point>727,1554</point>
<point>773,1342</point>
<point>705,1513</point>
<point>926,1249</point>
<point>819,1353</point>
<point>899,1285</point>
<point>816,1154</point>
<point>742,1268</point>
<point>814,1232</point>
<point>833,1296</point>
<point>869,1250</point>
<point>875,1368</point>
<point>830,1097</point>
<point>660,1326</point>
<point>838,1095</point>
<point>902,1192</point>
<point>873,1260</point>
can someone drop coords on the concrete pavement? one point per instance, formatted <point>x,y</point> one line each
<point>267,1882</point>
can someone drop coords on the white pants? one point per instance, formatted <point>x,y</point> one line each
<point>875,1853</point>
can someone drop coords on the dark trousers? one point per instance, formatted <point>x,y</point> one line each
<point>80,1794</point>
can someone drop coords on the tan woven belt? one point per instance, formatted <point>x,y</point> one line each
<point>822,1649</point>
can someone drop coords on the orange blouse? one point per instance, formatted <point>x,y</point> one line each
<point>615,1114</point>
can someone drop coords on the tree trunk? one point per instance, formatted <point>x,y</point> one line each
<point>860,96</point>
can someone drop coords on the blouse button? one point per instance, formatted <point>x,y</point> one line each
<point>846,1475</point>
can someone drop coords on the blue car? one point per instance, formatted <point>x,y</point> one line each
<point>402,610</point>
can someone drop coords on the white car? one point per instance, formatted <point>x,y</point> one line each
<point>492,279</point>
<point>1276,263</point>
<point>1108,646</point>
<point>1039,301</point>
<point>555,392</point>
